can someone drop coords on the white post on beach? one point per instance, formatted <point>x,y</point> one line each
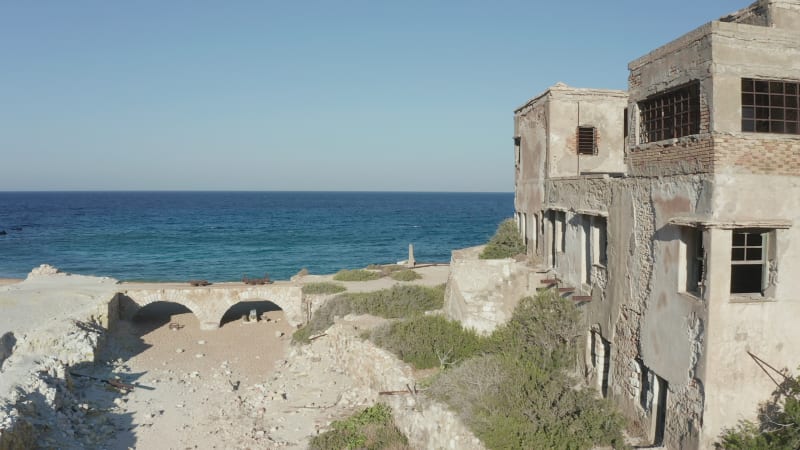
<point>411,262</point>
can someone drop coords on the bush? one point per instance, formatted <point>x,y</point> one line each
<point>505,243</point>
<point>405,275</point>
<point>372,428</point>
<point>357,275</point>
<point>778,424</point>
<point>517,394</point>
<point>428,341</point>
<point>399,301</point>
<point>323,288</point>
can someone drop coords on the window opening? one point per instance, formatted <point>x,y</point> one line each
<point>587,140</point>
<point>748,258</point>
<point>694,261</point>
<point>670,115</point>
<point>770,106</point>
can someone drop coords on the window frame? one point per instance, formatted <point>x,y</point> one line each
<point>671,114</point>
<point>770,106</point>
<point>738,265</point>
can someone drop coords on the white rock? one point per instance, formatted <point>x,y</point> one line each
<point>179,350</point>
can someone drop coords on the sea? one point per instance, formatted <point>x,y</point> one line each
<point>223,236</point>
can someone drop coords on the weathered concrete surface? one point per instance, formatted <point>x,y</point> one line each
<point>210,303</point>
<point>674,190</point>
<point>482,293</point>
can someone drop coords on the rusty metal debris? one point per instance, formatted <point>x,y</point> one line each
<point>408,390</point>
<point>110,381</point>
<point>175,326</point>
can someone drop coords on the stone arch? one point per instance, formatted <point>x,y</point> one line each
<point>244,306</point>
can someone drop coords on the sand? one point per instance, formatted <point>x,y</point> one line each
<point>240,386</point>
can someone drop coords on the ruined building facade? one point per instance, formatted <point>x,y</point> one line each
<point>671,214</point>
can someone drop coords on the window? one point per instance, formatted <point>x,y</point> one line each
<point>770,106</point>
<point>748,261</point>
<point>561,231</point>
<point>599,241</point>
<point>693,258</point>
<point>517,152</point>
<point>587,140</point>
<point>673,114</point>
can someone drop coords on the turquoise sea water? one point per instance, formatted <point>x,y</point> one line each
<point>220,236</point>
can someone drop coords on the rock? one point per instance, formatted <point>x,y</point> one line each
<point>179,350</point>
<point>279,334</point>
<point>201,342</point>
<point>199,355</point>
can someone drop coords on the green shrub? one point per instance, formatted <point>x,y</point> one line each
<point>372,428</point>
<point>357,275</point>
<point>505,243</point>
<point>398,301</point>
<point>518,394</point>
<point>405,275</point>
<point>323,288</point>
<point>428,341</point>
<point>778,424</point>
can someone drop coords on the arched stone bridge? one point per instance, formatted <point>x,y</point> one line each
<point>210,303</point>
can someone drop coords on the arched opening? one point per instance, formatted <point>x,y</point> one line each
<point>157,314</point>
<point>264,309</point>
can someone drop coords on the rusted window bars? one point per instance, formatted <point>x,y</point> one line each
<point>672,114</point>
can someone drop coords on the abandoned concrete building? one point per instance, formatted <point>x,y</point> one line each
<point>671,214</point>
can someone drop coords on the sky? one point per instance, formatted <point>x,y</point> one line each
<point>288,95</point>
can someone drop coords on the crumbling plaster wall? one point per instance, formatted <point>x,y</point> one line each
<point>572,107</point>
<point>640,310</point>
<point>482,293</point>
<point>766,326</point>
<point>530,124</point>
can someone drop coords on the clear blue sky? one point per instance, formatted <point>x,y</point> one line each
<point>306,95</point>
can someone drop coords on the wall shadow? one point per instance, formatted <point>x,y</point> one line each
<point>240,309</point>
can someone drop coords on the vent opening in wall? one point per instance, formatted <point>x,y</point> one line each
<point>587,140</point>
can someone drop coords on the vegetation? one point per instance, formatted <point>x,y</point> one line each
<point>357,275</point>
<point>399,301</point>
<point>778,426</point>
<point>372,428</point>
<point>513,388</point>
<point>506,242</point>
<point>428,341</point>
<point>323,287</point>
<point>405,275</point>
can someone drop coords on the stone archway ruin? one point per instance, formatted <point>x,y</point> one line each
<point>210,303</point>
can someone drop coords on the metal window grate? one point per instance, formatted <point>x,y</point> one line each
<point>770,106</point>
<point>587,140</point>
<point>670,115</point>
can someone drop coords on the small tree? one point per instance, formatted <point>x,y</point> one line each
<point>505,243</point>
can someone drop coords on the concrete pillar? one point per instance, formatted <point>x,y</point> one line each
<point>411,261</point>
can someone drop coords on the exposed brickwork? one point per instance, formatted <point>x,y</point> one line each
<point>770,154</point>
<point>689,155</point>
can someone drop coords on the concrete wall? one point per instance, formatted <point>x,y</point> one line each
<point>482,293</point>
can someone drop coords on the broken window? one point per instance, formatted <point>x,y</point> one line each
<point>587,140</point>
<point>517,151</point>
<point>770,106</point>
<point>672,114</point>
<point>748,261</point>
<point>693,258</point>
